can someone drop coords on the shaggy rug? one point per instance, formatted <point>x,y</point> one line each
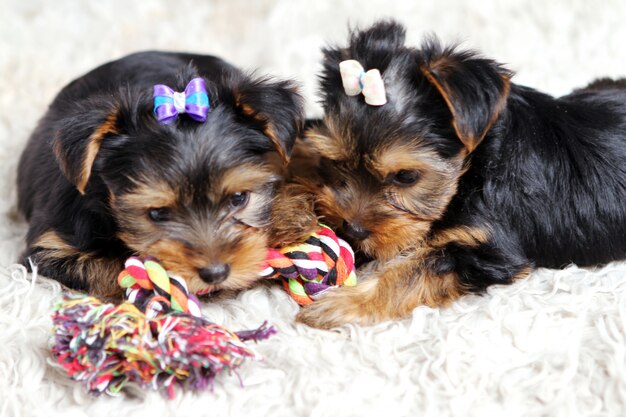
<point>552,345</point>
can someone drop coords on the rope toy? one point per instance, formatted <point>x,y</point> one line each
<point>153,290</point>
<point>308,270</point>
<point>157,339</point>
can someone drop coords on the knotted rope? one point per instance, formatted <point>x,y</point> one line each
<point>157,339</point>
<point>309,269</point>
<point>150,287</point>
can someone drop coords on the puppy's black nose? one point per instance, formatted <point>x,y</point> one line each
<point>355,231</point>
<point>214,274</point>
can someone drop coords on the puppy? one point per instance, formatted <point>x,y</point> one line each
<point>124,164</point>
<point>452,178</point>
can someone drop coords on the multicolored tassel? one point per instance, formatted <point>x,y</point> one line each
<point>159,340</point>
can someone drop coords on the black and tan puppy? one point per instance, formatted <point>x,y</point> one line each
<point>462,179</point>
<point>102,178</point>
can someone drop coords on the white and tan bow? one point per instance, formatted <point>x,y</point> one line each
<point>355,81</point>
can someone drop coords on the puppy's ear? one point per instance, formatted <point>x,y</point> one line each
<point>275,108</point>
<point>78,137</point>
<point>475,89</point>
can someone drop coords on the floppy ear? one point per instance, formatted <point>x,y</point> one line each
<point>276,108</point>
<point>475,89</point>
<point>77,138</point>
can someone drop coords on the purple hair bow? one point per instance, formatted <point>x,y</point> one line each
<point>194,101</point>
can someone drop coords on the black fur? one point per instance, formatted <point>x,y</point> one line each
<point>186,154</point>
<point>546,176</point>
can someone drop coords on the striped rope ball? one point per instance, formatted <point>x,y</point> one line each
<point>309,269</point>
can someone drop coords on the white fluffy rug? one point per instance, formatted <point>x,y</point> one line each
<point>553,345</point>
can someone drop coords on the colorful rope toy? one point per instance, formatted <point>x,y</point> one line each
<point>322,262</point>
<point>156,339</point>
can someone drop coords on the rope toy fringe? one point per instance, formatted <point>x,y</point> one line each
<point>308,270</point>
<point>157,339</point>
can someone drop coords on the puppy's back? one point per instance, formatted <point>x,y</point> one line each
<point>558,177</point>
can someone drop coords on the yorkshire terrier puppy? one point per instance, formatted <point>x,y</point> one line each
<point>174,156</point>
<point>452,178</point>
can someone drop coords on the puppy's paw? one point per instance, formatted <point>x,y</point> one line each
<point>335,309</point>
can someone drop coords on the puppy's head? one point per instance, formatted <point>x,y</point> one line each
<point>196,196</point>
<point>389,171</point>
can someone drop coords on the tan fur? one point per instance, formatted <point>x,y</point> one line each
<point>392,230</point>
<point>391,159</point>
<point>243,178</point>
<point>55,246</point>
<point>247,178</point>
<point>304,160</point>
<point>471,237</point>
<point>245,261</point>
<point>270,132</point>
<point>293,215</point>
<point>389,239</point>
<point>390,291</point>
<point>99,273</point>
<point>331,142</point>
<point>429,197</point>
<point>151,193</point>
<point>523,273</point>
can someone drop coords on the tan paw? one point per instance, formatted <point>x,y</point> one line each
<point>338,307</point>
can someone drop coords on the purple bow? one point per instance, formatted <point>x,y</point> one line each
<point>194,101</point>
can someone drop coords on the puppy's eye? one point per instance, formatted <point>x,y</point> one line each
<point>160,214</point>
<point>405,177</point>
<point>239,199</point>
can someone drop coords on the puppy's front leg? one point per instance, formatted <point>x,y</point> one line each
<point>455,262</point>
<point>392,290</point>
<point>55,258</point>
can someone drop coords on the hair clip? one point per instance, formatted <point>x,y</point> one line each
<point>356,81</point>
<point>194,101</point>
